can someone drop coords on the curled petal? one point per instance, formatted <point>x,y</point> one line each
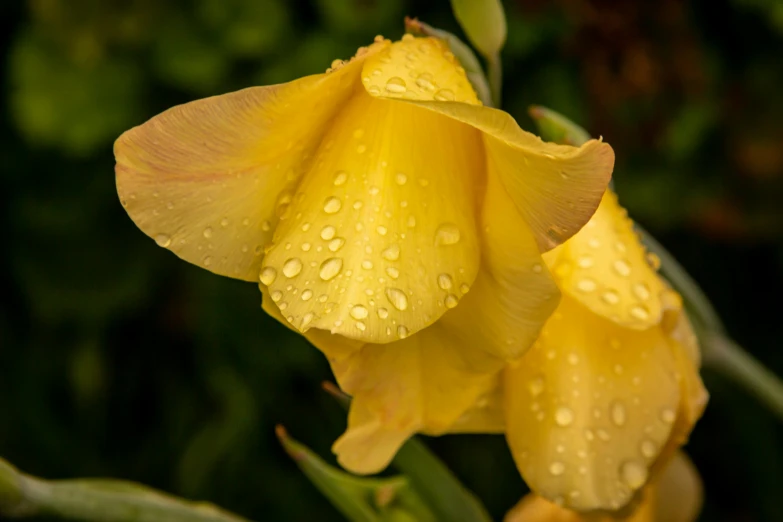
<point>605,267</point>
<point>209,179</point>
<point>419,384</point>
<point>381,233</point>
<point>514,293</point>
<point>590,407</point>
<point>556,188</point>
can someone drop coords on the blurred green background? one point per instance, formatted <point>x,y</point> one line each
<point>117,359</point>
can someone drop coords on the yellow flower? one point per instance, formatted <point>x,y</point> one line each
<point>676,496</point>
<point>611,387</point>
<point>369,201</point>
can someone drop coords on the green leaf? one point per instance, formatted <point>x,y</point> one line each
<point>359,499</point>
<point>555,127</point>
<point>484,22</point>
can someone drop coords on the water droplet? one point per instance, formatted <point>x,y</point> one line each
<point>402,332</point>
<point>207,261</point>
<point>411,221</point>
<point>536,386</point>
<point>445,282</point>
<point>357,205</point>
<point>537,268</point>
<point>401,178</point>
<point>328,232</point>
<point>383,313</point>
<point>464,288</point>
<point>268,275</point>
<point>367,264</point>
<point>611,297</point>
<point>556,468</point>
<point>336,244</point>
<point>282,306</point>
<point>163,240</point>
<point>276,295</point>
<point>585,261</point>
<point>618,414</point>
<point>361,149</point>
<point>642,291</point>
<point>306,247</point>
<point>451,301</point>
<point>447,234</point>
<point>564,416</point>
<point>668,415</point>
<point>208,232</point>
<point>653,260</point>
<point>648,448</point>
<point>444,95</point>
<point>589,435</point>
<point>397,298</point>
<point>224,222</point>
<point>396,85</point>
<point>374,90</point>
<point>425,82</point>
<point>330,268</point>
<point>393,272</point>
<point>633,474</point>
<point>332,205</point>
<point>359,312</point>
<point>382,230</point>
<point>604,435</point>
<point>292,267</point>
<point>573,359</point>
<point>586,285</point>
<point>392,253</point>
<point>622,267</point>
<point>640,312</point>
<point>340,178</point>
<point>307,294</point>
<point>361,326</point>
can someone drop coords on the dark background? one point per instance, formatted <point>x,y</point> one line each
<point>117,359</point>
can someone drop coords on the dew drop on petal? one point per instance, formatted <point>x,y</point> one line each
<point>641,291</point>
<point>332,205</point>
<point>292,267</point>
<point>618,413</point>
<point>359,312</point>
<point>668,415</point>
<point>396,85</point>
<point>447,234</point>
<point>556,468</point>
<point>336,244</point>
<point>444,95</point>
<point>622,267</point>
<point>648,449</point>
<point>340,178</point>
<point>268,275</point>
<point>633,473</point>
<point>392,253</point>
<point>328,232</point>
<point>383,313</point>
<point>330,268</point>
<point>401,178</point>
<point>276,295</point>
<point>536,386</point>
<point>307,294</point>
<point>208,232</point>
<point>586,285</point>
<point>564,416</point>
<point>451,301</point>
<point>397,298</point>
<point>640,312</point>
<point>445,282</point>
<point>402,332</point>
<point>163,240</point>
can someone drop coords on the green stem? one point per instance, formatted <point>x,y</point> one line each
<point>23,496</point>
<point>726,356</point>
<point>495,78</point>
<point>684,283</point>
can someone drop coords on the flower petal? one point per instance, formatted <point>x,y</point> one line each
<point>589,408</point>
<point>679,493</point>
<point>418,69</point>
<point>556,188</point>
<point>605,267</point>
<point>204,179</point>
<point>487,415</point>
<point>422,383</point>
<point>675,497</point>
<point>383,220</point>
<point>514,294</point>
